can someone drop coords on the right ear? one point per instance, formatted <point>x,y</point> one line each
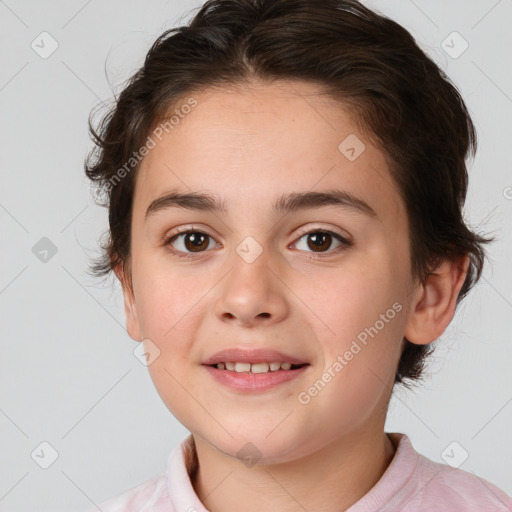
<point>130,307</point>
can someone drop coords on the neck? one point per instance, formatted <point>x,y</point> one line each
<point>340,474</point>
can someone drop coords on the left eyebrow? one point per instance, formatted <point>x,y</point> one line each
<point>286,203</point>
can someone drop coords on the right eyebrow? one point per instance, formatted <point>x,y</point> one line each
<point>188,201</point>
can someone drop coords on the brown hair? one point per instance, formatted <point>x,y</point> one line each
<point>403,102</point>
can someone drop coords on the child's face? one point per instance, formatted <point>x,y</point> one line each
<point>248,149</point>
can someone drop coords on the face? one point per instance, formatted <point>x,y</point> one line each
<point>326,282</point>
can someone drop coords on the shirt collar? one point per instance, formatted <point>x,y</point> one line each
<point>393,480</point>
<point>179,485</point>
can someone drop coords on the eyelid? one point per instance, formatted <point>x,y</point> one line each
<point>335,231</point>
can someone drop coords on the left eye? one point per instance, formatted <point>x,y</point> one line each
<point>322,239</point>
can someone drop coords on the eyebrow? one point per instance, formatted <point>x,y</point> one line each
<point>286,203</point>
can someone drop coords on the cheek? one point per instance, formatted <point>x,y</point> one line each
<point>169,299</point>
<point>356,297</point>
<point>365,316</point>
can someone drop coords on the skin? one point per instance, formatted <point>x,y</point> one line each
<point>249,146</point>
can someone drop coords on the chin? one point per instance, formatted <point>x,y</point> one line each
<point>258,448</point>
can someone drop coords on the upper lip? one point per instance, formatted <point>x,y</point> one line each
<point>251,355</point>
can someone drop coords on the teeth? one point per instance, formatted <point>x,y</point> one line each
<point>242,367</point>
<point>254,367</point>
<point>259,368</point>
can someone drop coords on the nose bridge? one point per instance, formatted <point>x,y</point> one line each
<point>251,290</point>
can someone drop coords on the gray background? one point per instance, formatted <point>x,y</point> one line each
<point>68,373</point>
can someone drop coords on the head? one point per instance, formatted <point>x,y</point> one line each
<point>250,107</point>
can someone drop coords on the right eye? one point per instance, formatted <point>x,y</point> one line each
<point>189,240</point>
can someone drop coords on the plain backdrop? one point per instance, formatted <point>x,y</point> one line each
<point>69,378</point>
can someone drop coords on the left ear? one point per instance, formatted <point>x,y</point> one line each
<point>435,301</point>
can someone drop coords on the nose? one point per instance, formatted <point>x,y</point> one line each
<point>253,293</point>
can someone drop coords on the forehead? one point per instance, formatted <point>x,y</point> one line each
<point>251,145</point>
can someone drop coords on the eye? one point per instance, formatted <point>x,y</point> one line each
<point>320,240</point>
<point>193,241</point>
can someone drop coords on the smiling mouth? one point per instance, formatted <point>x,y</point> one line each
<point>256,367</point>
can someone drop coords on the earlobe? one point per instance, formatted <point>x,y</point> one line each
<point>130,306</point>
<point>434,305</point>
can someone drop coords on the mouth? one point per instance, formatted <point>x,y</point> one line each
<point>255,377</point>
<point>254,369</point>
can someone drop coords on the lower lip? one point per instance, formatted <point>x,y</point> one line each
<point>246,381</point>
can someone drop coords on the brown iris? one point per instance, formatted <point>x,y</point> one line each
<point>196,242</point>
<point>319,241</point>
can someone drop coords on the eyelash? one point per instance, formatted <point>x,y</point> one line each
<point>189,256</point>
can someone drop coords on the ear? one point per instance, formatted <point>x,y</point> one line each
<point>130,307</point>
<point>434,304</point>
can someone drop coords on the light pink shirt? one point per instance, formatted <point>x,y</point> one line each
<point>411,483</point>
